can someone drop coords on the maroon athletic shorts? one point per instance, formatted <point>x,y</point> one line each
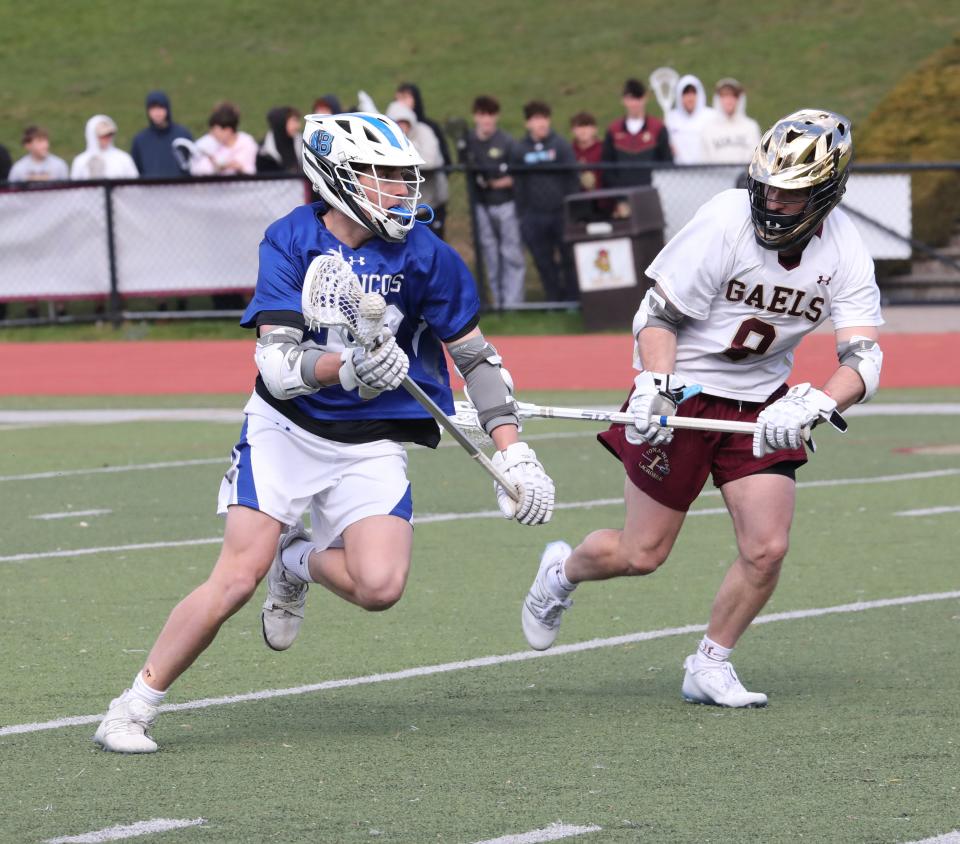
<point>673,474</point>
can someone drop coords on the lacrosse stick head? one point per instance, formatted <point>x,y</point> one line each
<point>663,82</point>
<point>466,419</point>
<point>332,297</point>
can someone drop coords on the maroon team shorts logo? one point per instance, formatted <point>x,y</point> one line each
<point>655,463</point>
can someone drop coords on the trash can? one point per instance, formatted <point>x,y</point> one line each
<point>613,234</point>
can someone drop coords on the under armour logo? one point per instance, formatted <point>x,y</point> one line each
<point>824,280</point>
<point>358,258</point>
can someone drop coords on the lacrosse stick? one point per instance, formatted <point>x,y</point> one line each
<point>466,418</point>
<point>663,81</point>
<point>333,298</point>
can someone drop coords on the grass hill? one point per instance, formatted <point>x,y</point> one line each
<point>64,61</point>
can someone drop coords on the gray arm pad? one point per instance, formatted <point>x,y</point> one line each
<point>863,356</point>
<point>656,311</point>
<point>488,384</point>
<point>308,367</point>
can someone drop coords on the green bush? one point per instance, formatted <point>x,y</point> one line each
<point>919,120</point>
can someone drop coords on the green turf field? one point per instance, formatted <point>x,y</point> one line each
<point>859,743</point>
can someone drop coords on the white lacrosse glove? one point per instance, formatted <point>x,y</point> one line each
<point>781,424</point>
<point>519,464</point>
<point>376,370</point>
<point>656,394</point>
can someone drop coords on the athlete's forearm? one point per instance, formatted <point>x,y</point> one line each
<point>327,369</point>
<point>658,349</point>
<point>845,387</point>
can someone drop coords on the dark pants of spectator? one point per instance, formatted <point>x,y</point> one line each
<point>543,236</point>
<point>439,222</point>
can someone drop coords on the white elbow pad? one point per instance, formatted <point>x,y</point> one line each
<point>279,358</point>
<point>863,355</point>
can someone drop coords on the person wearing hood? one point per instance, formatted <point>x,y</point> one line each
<point>409,94</point>
<point>327,104</point>
<point>435,190</point>
<point>152,148</point>
<point>686,120</point>
<point>101,159</point>
<point>280,151</point>
<point>730,137</point>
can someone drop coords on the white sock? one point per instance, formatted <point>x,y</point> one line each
<point>141,691</point>
<point>557,581</point>
<point>296,559</point>
<point>710,653</point>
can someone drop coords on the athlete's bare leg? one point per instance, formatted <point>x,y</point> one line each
<point>371,569</point>
<point>249,544</point>
<point>762,510</point>
<point>649,532</point>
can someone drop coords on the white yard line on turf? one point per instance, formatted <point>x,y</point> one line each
<point>554,832</point>
<point>134,830</point>
<point>929,511</point>
<point>222,461</point>
<point>430,518</point>
<point>37,418</point>
<point>486,661</point>
<point>946,838</point>
<point>69,514</point>
<point>940,409</point>
<point>110,470</point>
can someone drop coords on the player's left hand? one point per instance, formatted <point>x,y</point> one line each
<point>537,494</point>
<point>781,424</point>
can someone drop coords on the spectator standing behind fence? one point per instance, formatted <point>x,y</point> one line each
<point>39,164</point>
<point>435,190</point>
<point>152,148</point>
<point>635,137</point>
<point>488,154</point>
<point>224,150</point>
<point>685,121</point>
<point>409,94</point>
<point>102,160</point>
<point>587,148</point>
<point>280,151</point>
<point>6,163</point>
<point>730,137</point>
<point>327,104</point>
<point>540,190</point>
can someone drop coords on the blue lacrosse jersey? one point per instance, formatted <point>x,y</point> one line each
<point>430,294</point>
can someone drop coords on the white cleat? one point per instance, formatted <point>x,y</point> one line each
<point>717,685</point>
<point>542,609</point>
<point>286,597</point>
<point>124,728</point>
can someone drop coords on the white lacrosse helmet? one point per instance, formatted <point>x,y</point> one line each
<point>338,148</point>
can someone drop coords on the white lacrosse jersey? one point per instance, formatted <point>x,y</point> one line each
<point>745,311</point>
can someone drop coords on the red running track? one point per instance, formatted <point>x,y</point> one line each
<point>564,362</point>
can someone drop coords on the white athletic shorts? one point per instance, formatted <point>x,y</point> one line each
<point>280,469</point>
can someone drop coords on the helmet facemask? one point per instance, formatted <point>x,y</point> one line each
<point>806,151</point>
<point>391,214</point>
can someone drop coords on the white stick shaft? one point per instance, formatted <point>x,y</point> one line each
<point>470,447</point>
<point>615,417</point>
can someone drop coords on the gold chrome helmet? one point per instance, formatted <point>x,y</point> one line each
<point>807,150</point>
